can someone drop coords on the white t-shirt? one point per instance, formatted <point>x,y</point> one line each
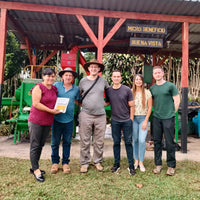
<point>138,102</point>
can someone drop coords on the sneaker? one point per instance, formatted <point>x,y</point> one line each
<point>54,168</point>
<point>66,169</point>
<point>170,171</point>
<point>131,171</point>
<point>157,169</point>
<point>99,167</point>
<point>136,166</point>
<point>115,168</point>
<point>84,169</point>
<point>142,168</point>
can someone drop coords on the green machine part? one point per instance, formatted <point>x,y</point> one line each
<point>23,96</point>
<point>23,92</point>
<point>148,73</point>
<point>76,107</point>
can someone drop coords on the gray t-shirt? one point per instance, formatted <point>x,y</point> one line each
<point>93,103</point>
<point>119,98</point>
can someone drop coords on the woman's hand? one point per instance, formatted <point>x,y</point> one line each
<point>144,125</point>
<point>55,112</point>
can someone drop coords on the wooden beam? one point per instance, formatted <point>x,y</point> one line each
<point>143,58</point>
<point>87,29</point>
<point>153,64</point>
<point>194,48</point>
<point>184,86</point>
<point>162,61</point>
<point>3,34</point>
<point>185,54</point>
<point>113,31</point>
<point>29,50</point>
<point>96,12</point>
<point>34,58</point>
<point>154,60</point>
<point>109,43</point>
<point>100,39</point>
<point>48,57</point>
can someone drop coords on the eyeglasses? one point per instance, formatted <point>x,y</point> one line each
<point>93,67</point>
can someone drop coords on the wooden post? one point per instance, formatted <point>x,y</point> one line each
<point>3,34</point>
<point>184,81</point>
<point>100,39</point>
<point>154,64</point>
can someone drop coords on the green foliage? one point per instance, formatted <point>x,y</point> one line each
<point>16,182</point>
<point>5,112</point>
<point>15,58</point>
<point>89,55</point>
<point>4,130</point>
<point>126,63</point>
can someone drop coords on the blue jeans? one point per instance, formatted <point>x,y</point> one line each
<point>139,137</point>
<point>65,131</point>
<point>127,128</point>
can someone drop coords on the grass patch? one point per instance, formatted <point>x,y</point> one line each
<point>16,182</point>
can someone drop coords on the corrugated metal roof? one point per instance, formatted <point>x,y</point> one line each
<point>44,29</point>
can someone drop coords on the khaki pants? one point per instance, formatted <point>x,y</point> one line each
<point>87,122</point>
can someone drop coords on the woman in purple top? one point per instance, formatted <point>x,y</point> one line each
<point>44,96</point>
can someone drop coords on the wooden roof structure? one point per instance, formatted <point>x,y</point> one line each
<point>101,26</point>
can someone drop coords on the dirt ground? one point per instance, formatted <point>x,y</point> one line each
<point>21,149</point>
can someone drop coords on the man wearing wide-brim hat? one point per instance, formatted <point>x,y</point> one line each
<point>92,118</point>
<point>63,122</point>
<point>94,62</point>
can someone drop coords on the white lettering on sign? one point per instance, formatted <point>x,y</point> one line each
<point>134,29</point>
<point>141,28</point>
<point>146,42</point>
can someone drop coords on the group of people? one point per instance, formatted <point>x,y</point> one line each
<point>130,112</point>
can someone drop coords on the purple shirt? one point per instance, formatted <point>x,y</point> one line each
<point>48,98</point>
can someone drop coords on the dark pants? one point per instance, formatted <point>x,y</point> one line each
<point>166,126</point>
<point>64,131</point>
<point>38,136</point>
<point>127,128</point>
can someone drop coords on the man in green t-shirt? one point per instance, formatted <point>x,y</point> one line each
<point>166,101</point>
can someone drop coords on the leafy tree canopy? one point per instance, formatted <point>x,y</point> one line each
<point>126,63</point>
<point>15,57</point>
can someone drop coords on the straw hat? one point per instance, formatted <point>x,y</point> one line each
<point>94,61</point>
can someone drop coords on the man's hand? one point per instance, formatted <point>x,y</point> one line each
<point>176,102</point>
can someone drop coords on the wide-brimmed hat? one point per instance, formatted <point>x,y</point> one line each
<point>93,61</point>
<point>68,69</point>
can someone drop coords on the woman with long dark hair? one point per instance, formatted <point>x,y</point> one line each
<point>143,107</point>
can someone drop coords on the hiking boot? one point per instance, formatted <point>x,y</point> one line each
<point>84,169</point>
<point>157,169</point>
<point>66,169</point>
<point>99,167</point>
<point>115,168</point>
<point>131,171</point>
<point>54,168</point>
<point>170,171</point>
